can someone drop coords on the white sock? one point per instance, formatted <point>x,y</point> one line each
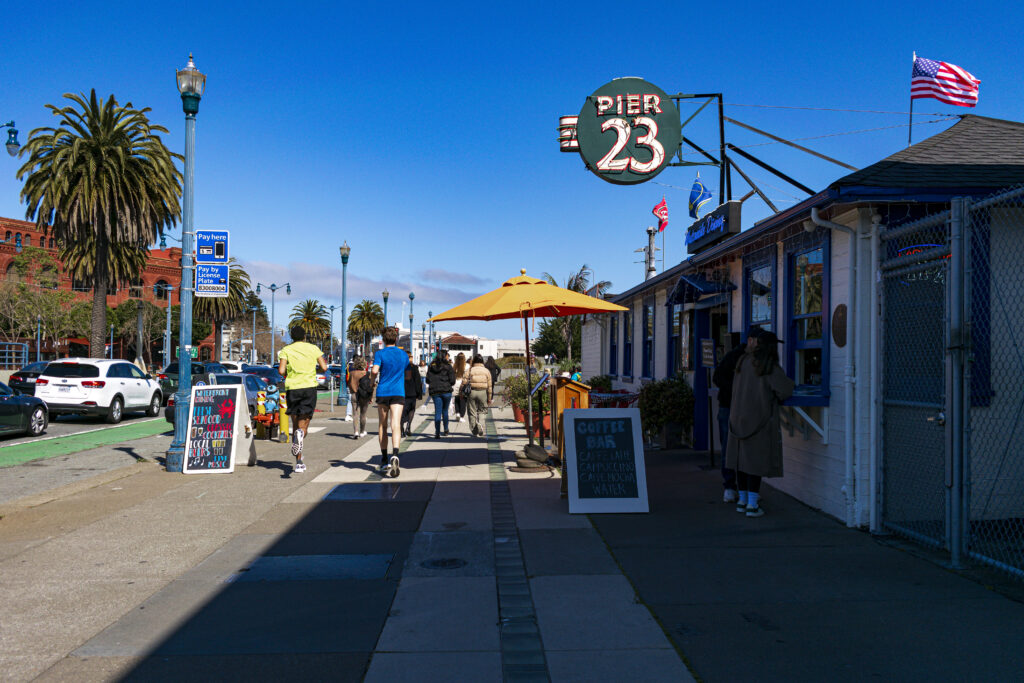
<point>742,500</point>
<point>752,501</point>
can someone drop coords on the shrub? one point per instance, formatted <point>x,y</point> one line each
<point>602,384</point>
<point>664,401</point>
<point>516,390</point>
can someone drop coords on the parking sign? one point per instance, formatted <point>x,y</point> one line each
<point>212,246</point>
<point>211,280</point>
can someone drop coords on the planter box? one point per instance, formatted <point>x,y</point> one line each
<point>537,425</point>
<point>517,413</point>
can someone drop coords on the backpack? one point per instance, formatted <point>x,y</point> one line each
<point>364,389</point>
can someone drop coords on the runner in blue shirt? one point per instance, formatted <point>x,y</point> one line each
<point>389,369</point>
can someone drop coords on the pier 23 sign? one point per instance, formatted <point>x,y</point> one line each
<point>628,131</point>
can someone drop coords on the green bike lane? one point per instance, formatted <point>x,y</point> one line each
<point>50,447</point>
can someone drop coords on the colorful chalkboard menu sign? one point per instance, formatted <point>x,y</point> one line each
<point>605,460</point>
<point>214,429</point>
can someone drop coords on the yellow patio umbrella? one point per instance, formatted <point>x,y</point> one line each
<point>522,297</point>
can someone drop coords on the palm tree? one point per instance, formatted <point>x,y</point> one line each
<point>102,175</point>
<point>217,309</point>
<point>311,315</point>
<point>577,282</point>
<point>366,319</point>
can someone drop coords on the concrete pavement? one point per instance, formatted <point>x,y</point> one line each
<point>461,570</point>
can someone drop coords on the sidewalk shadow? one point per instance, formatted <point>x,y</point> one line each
<point>285,467</point>
<point>131,451</point>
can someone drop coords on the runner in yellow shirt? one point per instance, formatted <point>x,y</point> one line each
<point>298,363</point>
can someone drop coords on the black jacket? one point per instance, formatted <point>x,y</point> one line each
<point>440,379</point>
<point>724,374</point>
<point>413,381</point>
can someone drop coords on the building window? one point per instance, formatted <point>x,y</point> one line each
<point>51,243</point>
<point>647,369</point>
<point>12,273</point>
<point>759,290</point>
<point>806,333</point>
<point>613,345</point>
<point>160,290</point>
<point>678,340</point>
<point>627,343</point>
<point>7,237</point>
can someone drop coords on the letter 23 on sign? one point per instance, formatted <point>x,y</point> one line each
<point>646,128</point>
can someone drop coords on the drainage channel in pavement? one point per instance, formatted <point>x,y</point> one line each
<point>522,654</point>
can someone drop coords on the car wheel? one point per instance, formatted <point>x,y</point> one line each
<point>154,405</point>
<point>37,421</point>
<point>116,411</point>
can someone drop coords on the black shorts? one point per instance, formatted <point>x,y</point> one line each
<point>301,402</point>
<point>391,400</point>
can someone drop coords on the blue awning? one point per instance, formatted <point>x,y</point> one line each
<point>690,288</point>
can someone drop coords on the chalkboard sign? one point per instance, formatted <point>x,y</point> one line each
<point>707,353</point>
<point>213,414</point>
<point>604,459</point>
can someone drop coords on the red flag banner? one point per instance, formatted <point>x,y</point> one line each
<point>661,211</point>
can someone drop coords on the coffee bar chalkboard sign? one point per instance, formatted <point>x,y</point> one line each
<point>214,429</point>
<point>604,458</point>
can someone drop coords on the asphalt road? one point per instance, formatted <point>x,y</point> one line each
<point>65,425</point>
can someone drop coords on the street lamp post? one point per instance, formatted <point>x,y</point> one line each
<point>39,337</point>
<point>343,398</point>
<point>423,335</point>
<point>191,84</point>
<point>385,294</point>
<point>273,303</point>
<point>412,295</point>
<point>430,334</point>
<point>111,341</point>
<point>12,138</point>
<point>252,352</point>
<point>167,331</point>
<point>330,335</point>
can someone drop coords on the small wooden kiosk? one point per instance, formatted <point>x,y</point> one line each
<point>567,394</point>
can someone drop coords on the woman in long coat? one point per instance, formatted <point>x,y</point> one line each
<point>755,435</point>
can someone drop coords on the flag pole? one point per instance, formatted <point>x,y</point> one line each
<point>663,251</point>
<point>910,127</point>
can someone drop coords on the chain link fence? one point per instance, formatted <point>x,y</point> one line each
<point>953,393</point>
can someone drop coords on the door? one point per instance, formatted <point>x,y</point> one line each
<point>914,400</point>
<point>145,389</point>
<point>10,410</point>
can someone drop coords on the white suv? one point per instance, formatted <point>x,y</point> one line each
<point>95,386</point>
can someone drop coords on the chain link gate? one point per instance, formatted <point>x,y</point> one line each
<point>994,382</point>
<point>914,264</point>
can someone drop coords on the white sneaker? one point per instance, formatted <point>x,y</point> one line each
<point>348,418</point>
<point>729,496</point>
<point>299,468</point>
<point>393,466</point>
<point>362,434</point>
<point>297,442</point>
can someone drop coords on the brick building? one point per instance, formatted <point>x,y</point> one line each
<point>163,269</point>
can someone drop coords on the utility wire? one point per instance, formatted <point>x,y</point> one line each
<point>850,111</point>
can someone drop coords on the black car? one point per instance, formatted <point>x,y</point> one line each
<point>266,373</point>
<point>21,414</point>
<point>24,380</point>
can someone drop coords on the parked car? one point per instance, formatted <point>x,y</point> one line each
<point>252,384</point>
<point>337,373</point>
<point>97,386</point>
<point>20,413</point>
<point>231,366</point>
<point>200,373</point>
<point>268,374</point>
<point>24,380</point>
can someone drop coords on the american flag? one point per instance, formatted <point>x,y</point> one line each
<point>943,81</point>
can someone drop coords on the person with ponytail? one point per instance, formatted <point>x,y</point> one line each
<point>755,433</point>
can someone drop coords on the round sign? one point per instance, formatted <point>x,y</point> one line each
<point>628,131</point>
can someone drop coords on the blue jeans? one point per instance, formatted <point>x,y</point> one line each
<point>441,404</point>
<point>728,475</point>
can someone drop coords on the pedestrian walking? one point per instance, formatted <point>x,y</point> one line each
<point>298,363</point>
<point>755,434</point>
<point>360,393</point>
<point>389,368</point>
<point>481,393</point>
<point>723,378</point>
<point>440,380</point>
<point>493,367</point>
<point>413,392</point>
<point>458,401</point>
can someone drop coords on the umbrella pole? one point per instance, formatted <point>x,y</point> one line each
<point>529,378</point>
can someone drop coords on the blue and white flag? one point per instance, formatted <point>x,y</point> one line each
<point>699,196</point>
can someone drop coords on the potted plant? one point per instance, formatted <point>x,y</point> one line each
<point>513,393</point>
<point>666,410</point>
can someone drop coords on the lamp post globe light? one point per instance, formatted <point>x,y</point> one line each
<point>12,138</point>
<point>412,295</point>
<point>191,85</point>
<point>287,287</point>
<point>343,397</point>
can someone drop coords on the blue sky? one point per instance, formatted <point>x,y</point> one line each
<point>425,134</point>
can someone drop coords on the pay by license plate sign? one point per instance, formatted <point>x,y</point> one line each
<point>211,280</point>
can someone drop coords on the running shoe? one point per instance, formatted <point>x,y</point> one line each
<point>393,468</point>
<point>297,442</point>
<point>299,468</point>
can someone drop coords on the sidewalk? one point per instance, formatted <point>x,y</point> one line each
<point>461,570</point>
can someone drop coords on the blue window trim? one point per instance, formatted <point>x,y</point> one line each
<point>753,261</point>
<point>807,395</point>
<point>647,353</point>
<point>670,343</point>
<point>613,346</point>
<point>627,347</point>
